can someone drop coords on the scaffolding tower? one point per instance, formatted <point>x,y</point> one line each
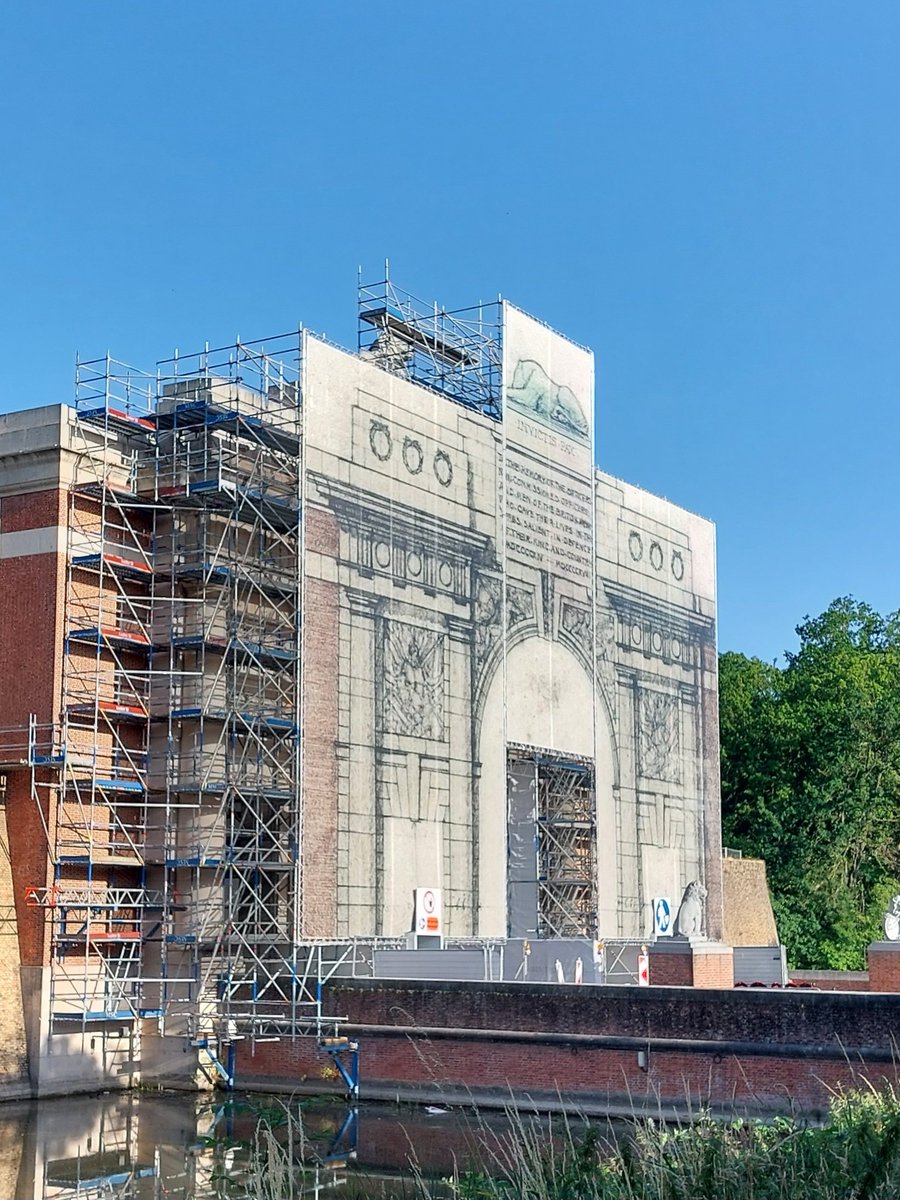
<point>455,352</point>
<point>552,838</point>
<point>225,474</point>
<point>169,788</point>
<point>566,848</point>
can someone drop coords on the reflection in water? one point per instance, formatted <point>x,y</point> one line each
<point>177,1146</point>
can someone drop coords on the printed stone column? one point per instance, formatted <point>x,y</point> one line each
<point>461,851</point>
<point>627,817</point>
<point>712,803</point>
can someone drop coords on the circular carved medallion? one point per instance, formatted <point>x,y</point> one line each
<point>380,440</point>
<point>656,556</point>
<point>635,545</point>
<point>383,554</point>
<point>677,564</point>
<point>413,564</point>
<point>412,456</point>
<point>443,468</point>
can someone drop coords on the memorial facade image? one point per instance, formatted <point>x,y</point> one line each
<point>308,629</point>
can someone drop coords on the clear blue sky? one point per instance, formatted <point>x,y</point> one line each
<point>708,194</point>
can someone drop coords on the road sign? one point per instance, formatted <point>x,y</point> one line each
<point>662,916</point>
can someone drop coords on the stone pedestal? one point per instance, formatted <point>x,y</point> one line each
<point>691,962</point>
<point>884,967</point>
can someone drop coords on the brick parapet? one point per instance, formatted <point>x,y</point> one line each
<point>884,967</point>
<point>742,1015</point>
<point>593,1048</point>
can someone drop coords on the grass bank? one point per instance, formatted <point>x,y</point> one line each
<point>855,1156</point>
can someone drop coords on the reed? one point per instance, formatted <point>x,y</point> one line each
<point>854,1156</point>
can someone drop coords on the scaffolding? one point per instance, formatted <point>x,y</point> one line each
<point>225,470</point>
<point>455,352</point>
<point>169,788</point>
<point>552,844</point>
<point>566,848</point>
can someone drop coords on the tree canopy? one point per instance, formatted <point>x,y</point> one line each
<point>811,779</point>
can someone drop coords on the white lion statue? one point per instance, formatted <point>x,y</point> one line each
<point>690,915</point>
<point>892,920</point>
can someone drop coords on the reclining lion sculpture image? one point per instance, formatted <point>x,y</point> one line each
<point>535,394</point>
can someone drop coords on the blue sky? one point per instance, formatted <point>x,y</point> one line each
<point>705,193</point>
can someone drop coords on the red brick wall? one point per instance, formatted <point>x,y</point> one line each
<point>461,1071</point>
<point>761,1049</point>
<point>321,601</point>
<point>31,601</point>
<point>29,863</point>
<point>713,970</point>
<point>884,968</point>
<point>33,510</point>
<point>670,970</point>
<point>30,636</point>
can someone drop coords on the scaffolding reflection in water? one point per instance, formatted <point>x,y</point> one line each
<point>146,1148</point>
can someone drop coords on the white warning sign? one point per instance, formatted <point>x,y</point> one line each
<point>429,919</point>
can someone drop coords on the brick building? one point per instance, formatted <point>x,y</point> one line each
<point>290,632</point>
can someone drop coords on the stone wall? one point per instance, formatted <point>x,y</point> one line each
<point>749,919</point>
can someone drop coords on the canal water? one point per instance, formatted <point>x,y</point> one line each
<point>177,1146</point>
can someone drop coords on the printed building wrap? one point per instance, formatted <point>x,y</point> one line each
<point>509,659</point>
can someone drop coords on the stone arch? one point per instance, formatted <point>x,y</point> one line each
<point>541,695</point>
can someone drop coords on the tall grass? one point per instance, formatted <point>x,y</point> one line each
<point>855,1156</point>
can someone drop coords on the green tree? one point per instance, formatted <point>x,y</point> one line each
<point>811,778</point>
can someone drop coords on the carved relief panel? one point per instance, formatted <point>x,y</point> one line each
<point>659,736</point>
<point>413,696</point>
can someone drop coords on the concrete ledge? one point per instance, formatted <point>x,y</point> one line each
<point>620,1105</point>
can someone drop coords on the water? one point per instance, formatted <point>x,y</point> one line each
<point>176,1146</point>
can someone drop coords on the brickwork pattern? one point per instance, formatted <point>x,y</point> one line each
<point>713,970</point>
<point>670,970</point>
<point>321,632</point>
<point>34,510</point>
<point>13,1049</point>
<point>499,1071</point>
<point>884,967</point>
<point>31,600</point>
<point>796,1026</point>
